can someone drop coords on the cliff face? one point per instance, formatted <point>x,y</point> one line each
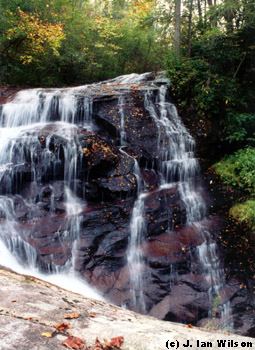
<point>103,179</point>
<point>32,312</point>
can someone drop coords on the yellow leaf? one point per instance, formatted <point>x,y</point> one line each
<point>47,335</point>
<point>226,101</point>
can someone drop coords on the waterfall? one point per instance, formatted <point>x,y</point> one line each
<point>43,183</point>
<point>31,114</point>
<point>177,166</point>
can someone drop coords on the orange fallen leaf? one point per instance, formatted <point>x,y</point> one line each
<point>73,315</point>
<point>61,327</point>
<point>47,335</point>
<point>189,326</point>
<point>14,301</point>
<point>92,315</point>
<point>73,342</point>
<point>98,345</point>
<point>117,341</point>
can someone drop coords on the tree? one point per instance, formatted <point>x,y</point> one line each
<point>29,38</point>
<point>55,42</point>
<point>189,27</point>
<point>177,28</point>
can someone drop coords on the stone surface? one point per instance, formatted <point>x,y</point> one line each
<point>30,307</point>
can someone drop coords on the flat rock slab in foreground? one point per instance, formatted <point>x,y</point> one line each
<point>30,307</point>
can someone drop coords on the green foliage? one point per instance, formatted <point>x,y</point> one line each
<point>238,169</point>
<point>245,212</point>
<point>192,83</point>
<point>216,304</point>
<point>218,79</point>
<point>187,78</point>
<point>76,41</point>
<point>240,127</point>
<point>214,94</point>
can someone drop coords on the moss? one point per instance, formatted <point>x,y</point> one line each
<point>245,212</point>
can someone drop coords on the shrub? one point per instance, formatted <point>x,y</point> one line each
<point>238,169</point>
<point>245,212</point>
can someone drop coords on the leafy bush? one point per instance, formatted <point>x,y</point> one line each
<point>240,127</point>
<point>245,212</point>
<point>218,81</point>
<point>211,94</point>
<point>238,169</point>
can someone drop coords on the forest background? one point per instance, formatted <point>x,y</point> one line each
<point>207,48</point>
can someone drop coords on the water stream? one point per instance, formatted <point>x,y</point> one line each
<point>33,112</point>
<point>179,167</point>
<point>58,114</point>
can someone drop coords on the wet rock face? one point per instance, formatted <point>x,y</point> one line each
<point>109,132</point>
<point>141,130</point>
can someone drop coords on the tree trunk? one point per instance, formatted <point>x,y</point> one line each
<point>177,28</point>
<point>229,16</point>
<point>199,11</point>
<point>189,29</point>
<point>213,18</point>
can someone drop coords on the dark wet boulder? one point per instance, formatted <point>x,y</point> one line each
<point>140,129</point>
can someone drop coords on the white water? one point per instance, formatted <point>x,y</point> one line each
<point>21,121</point>
<point>137,222</point>
<point>68,281</point>
<point>135,253</point>
<point>32,111</point>
<point>123,136</point>
<point>178,166</point>
<point>39,106</point>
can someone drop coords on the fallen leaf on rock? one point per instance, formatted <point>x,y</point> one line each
<point>113,344</point>
<point>47,335</point>
<point>117,341</point>
<point>92,315</point>
<point>73,342</point>
<point>189,326</point>
<point>73,315</point>
<point>98,345</point>
<point>14,301</point>
<point>61,327</point>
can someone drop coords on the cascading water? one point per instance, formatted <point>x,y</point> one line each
<point>137,225</point>
<point>177,166</point>
<point>33,112</point>
<point>135,254</point>
<point>42,146</point>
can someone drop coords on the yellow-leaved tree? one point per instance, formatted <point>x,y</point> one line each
<point>29,38</point>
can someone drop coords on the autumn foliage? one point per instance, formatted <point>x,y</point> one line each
<point>59,42</point>
<point>30,38</point>
<point>73,342</point>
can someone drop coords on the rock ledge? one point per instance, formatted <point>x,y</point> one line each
<point>30,307</point>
